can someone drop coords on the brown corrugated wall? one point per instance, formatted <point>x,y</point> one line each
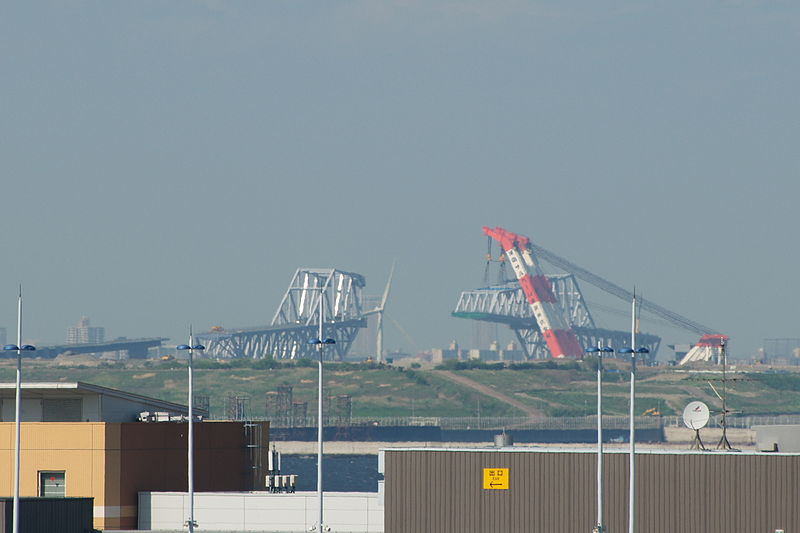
<point>442,491</point>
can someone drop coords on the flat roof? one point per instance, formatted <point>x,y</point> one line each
<point>553,449</point>
<point>56,389</point>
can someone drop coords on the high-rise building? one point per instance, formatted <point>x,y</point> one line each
<point>3,336</point>
<point>83,333</point>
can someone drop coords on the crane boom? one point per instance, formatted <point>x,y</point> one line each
<point>560,338</point>
<point>616,290</point>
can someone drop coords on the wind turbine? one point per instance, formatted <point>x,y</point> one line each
<point>379,311</point>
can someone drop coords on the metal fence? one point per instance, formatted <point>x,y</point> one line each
<point>740,422</point>
<point>552,422</point>
<point>499,423</point>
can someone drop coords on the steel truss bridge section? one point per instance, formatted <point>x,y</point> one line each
<point>507,304</point>
<point>334,292</point>
<point>509,300</point>
<point>536,348</point>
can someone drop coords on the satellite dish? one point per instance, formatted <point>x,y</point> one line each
<point>695,415</point>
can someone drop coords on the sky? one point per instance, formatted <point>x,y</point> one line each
<point>173,163</point>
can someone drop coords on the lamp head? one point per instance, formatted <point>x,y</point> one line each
<point>183,347</point>
<point>10,347</point>
<point>329,341</point>
<point>314,341</point>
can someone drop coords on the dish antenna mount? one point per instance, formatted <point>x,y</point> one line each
<point>695,416</point>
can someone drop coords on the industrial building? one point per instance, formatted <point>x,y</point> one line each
<point>537,489</point>
<point>82,440</point>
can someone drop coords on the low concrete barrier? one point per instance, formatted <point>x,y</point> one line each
<point>354,512</point>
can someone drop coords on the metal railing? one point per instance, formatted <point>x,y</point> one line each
<point>488,423</point>
<point>739,422</point>
<point>545,422</point>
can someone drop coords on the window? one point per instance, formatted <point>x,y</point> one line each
<point>52,484</point>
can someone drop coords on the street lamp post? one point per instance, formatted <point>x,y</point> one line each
<point>320,343</point>
<point>632,437</point>
<point>600,526</point>
<point>19,348</point>
<point>191,347</point>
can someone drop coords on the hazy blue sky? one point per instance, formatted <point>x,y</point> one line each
<point>174,162</point>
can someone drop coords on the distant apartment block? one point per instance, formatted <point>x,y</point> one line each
<point>84,333</point>
<point>494,353</point>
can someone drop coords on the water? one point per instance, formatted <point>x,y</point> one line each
<point>340,473</point>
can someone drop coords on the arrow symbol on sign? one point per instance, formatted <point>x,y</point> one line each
<point>495,484</point>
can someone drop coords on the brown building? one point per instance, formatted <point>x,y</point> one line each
<point>112,461</point>
<point>548,491</point>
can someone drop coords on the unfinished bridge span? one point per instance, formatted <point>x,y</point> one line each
<point>297,319</point>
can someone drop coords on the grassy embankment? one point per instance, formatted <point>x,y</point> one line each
<point>564,389</point>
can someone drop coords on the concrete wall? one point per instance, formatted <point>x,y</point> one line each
<point>357,512</point>
<point>778,438</point>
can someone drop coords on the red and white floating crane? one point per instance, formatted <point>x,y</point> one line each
<point>560,338</point>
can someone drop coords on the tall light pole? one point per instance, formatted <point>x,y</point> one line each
<point>19,348</point>
<point>632,438</point>
<point>320,343</point>
<point>191,347</point>
<point>600,526</point>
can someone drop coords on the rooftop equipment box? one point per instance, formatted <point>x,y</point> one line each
<point>48,515</point>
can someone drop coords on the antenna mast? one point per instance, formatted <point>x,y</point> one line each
<point>723,441</point>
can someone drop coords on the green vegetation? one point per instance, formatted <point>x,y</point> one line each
<point>477,364</point>
<point>777,381</point>
<point>552,388</point>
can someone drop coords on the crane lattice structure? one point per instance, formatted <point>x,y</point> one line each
<point>545,307</point>
<point>297,319</point>
<point>507,304</point>
<point>530,311</point>
<point>611,288</point>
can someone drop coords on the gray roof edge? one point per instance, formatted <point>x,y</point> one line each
<point>533,449</point>
<point>99,389</point>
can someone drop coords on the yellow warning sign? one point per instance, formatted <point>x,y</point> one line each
<point>495,478</point>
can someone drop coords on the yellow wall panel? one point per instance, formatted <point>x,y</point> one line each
<point>112,462</point>
<point>57,435</point>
